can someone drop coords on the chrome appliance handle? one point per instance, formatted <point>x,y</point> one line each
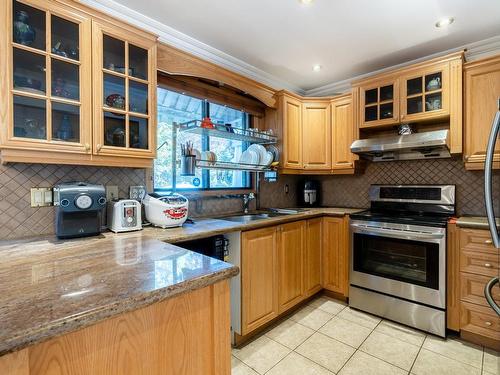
<point>396,233</point>
<point>488,167</point>
<point>487,293</point>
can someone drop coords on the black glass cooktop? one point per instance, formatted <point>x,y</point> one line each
<point>399,217</point>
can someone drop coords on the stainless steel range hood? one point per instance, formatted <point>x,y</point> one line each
<point>427,145</point>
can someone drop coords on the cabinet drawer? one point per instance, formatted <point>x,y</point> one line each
<point>472,289</point>
<point>479,320</point>
<point>485,264</point>
<point>476,240</point>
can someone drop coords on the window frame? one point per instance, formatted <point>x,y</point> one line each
<point>206,190</point>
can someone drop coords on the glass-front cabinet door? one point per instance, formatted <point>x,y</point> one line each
<point>379,103</point>
<point>49,60</point>
<point>124,91</point>
<point>424,93</point>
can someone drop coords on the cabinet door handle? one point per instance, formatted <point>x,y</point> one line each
<point>487,265</point>
<point>99,146</point>
<point>488,324</point>
<point>488,242</point>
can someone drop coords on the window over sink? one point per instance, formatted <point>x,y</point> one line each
<point>175,107</point>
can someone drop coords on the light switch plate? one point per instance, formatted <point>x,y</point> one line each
<point>41,197</point>
<point>111,192</point>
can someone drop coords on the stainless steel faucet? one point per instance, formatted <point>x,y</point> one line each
<point>246,200</point>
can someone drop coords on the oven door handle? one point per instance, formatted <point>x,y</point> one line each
<point>396,233</point>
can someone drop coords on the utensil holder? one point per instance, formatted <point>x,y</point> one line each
<point>188,165</point>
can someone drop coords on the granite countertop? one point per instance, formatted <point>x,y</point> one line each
<point>475,222</point>
<point>51,287</point>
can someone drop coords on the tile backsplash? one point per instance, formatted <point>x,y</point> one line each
<point>352,190</point>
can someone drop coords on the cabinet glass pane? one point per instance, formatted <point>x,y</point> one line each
<point>65,122</point>
<point>138,97</point>
<point>414,86</point>
<point>371,113</point>
<point>433,82</point>
<point>28,26</point>
<point>114,129</point>
<point>386,93</point>
<point>371,96</point>
<point>114,91</point>
<point>386,111</point>
<point>138,131</point>
<point>414,105</point>
<point>29,118</point>
<point>29,72</point>
<point>65,38</point>
<point>65,80</point>
<point>433,102</point>
<point>113,54</point>
<point>138,62</point>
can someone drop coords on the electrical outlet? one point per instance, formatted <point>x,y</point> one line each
<point>41,197</point>
<point>286,188</point>
<point>137,192</point>
<point>111,192</point>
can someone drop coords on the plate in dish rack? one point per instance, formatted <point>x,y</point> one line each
<point>249,157</point>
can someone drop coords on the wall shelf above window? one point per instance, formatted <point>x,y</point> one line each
<point>245,135</point>
<point>224,165</point>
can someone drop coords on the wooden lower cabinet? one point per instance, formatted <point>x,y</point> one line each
<point>185,335</point>
<point>472,262</point>
<point>312,257</point>
<point>259,298</point>
<point>335,260</point>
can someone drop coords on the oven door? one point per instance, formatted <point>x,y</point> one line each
<point>406,261</point>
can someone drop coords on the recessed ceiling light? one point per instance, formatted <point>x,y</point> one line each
<point>443,22</point>
<point>306,1</point>
<point>316,68</point>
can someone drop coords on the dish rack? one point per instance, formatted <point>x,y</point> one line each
<point>251,136</point>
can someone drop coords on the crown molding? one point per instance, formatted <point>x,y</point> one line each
<point>473,51</point>
<point>175,38</point>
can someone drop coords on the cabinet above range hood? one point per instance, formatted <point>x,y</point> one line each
<point>425,145</point>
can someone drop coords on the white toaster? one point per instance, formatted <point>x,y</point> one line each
<point>124,215</point>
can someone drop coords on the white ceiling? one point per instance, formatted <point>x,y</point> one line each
<point>285,38</point>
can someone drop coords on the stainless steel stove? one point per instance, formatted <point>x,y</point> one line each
<point>398,257</point>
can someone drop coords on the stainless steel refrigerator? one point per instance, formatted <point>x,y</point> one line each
<point>490,200</point>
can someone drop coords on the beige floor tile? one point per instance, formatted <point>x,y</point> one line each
<point>491,362</point>
<point>295,364</point>
<point>430,363</point>
<point>459,350</point>
<point>364,364</point>
<point>326,351</point>
<point>290,333</point>
<point>328,305</point>
<point>239,368</point>
<point>345,331</point>
<point>359,317</point>
<point>311,317</point>
<point>404,333</point>
<point>390,349</point>
<point>261,354</point>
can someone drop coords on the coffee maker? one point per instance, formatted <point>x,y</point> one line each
<point>309,193</point>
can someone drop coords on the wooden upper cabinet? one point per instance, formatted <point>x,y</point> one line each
<point>379,102</point>
<point>343,133</point>
<point>482,91</point>
<point>45,77</point>
<point>290,264</point>
<point>316,135</point>
<point>312,257</point>
<point>425,93</point>
<point>124,72</point>
<point>291,112</point>
<point>336,255</point>
<point>259,299</point>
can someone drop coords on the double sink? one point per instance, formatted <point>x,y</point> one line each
<point>245,218</point>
